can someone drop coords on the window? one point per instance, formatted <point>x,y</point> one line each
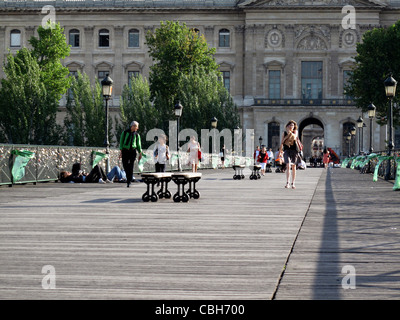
<point>311,79</point>
<point>15,38</point>
<point>346,76</point>
<point>132,74</point>
<point>226,76</point>
<point>224,38</point>
<point>104,38</point>
<point>102,74</point>
<point>274,84</point>
<point>74,38</point>
<point>133,38</point>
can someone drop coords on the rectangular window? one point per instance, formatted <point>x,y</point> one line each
<point>102,74</point>
<point>224,38</point>
<point>227,80</point>
<point>104,38</point>
<point>274,84</point>
<point>74,39</point>
<point>15,39</point>
<point>311,80</point>
<point>346,76</point>
<point>133,40</point>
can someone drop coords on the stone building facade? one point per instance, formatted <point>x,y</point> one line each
<point>281,59</point>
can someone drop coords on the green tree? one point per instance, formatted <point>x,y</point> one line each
<point>27,113</point>
<point>175,50</point>
<point>85,118</point>
<point>204,96</point>
<point>135,104</point>
<point>377,56</point>
<point>34,83</point>
<point>185,69</point>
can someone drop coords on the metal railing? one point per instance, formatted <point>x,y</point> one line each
<point>376,163</point>
<point>49,161</point>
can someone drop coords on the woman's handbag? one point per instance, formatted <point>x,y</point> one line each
<point>199,155</point>
<point>299,145</point>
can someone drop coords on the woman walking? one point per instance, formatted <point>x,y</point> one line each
<point>290,154</point>
<point>193,149</point>
<point>326,158</point>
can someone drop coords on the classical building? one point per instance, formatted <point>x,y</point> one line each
<point>281,59</point>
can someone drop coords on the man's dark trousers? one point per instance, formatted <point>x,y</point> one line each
<point>128,159</point>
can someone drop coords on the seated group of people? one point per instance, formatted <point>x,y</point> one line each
<point>96,175</point>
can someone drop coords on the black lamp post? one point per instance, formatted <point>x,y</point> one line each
<point>178,113</point>
<point>352,134</point>
<point>390,88</point>
<point>371,116</point>
<point>106,85</point>
<point>348,137</point>
<point>360,123</point>
<point>214,122</point>
<point>260,139</point>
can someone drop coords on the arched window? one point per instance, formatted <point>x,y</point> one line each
<point>104,38</point>
<point>224,38</point>
<point>15,38</point>
<point>74,38</point>
<point>133,38</point>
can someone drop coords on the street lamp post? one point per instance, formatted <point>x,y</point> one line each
<point>178,113</point>
<point>353,134</point>
<point>214,122</point>
<point>260,139</point>
<point>348,137</point>
<point>390,88</point>
<point>371,116</point>
<point>106,85</point>
<point>360,123</point>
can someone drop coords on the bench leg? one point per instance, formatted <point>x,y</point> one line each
<point>192,192</point>
<point>150,194</point>
<point>163,192</point>
<point>181,195</point>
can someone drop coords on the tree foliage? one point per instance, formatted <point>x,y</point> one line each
<point>135,104</point>
<point>377,56</point>
<point>185,69</point>
<point>85,120</point>
<point>34,82</point>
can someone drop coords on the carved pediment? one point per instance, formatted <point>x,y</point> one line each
<point>312,3</point>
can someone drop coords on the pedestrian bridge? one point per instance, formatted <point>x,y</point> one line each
<point>334,237</point>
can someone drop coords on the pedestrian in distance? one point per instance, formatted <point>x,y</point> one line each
<point>161,153</point>
<point>263,159</point>
<point>193,149</point>
<point>290,154</point>
<point>130,145</point>
<point>326,158</point>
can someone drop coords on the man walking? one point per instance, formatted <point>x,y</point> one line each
<point>130,144</point>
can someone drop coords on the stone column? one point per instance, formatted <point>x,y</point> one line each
<point>290,91</point>
<point>249,66</point>
<point>88,47</point>
<point>118,72</point>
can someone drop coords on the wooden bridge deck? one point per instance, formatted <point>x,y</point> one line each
<point>242,239</point>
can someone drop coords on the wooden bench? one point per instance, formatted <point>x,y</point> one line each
<point>183,178</point>
<point>238,172</point>
<point>255,172</point>
<point>151,179</point>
